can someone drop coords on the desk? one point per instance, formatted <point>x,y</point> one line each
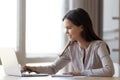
<point>5,77</point>
<point>56,78</point>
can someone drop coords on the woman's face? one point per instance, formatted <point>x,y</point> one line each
<point>73,32</point>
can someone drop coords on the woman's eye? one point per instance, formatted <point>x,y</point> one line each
<point>69,28</point>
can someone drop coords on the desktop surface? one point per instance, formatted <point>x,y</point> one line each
<point>6,77</point>
<point>57,78</point>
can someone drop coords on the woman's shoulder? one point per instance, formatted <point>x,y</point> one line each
<point>73,45</point>
<point>95,43</point>
<point>98,43</point>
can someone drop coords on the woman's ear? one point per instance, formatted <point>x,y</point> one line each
<point>81,27</point>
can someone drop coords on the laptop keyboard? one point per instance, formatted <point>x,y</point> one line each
<point>33,75</point>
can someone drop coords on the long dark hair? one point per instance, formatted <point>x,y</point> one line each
<point>81,17</point>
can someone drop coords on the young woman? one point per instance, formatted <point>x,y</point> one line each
<point>88,54</point>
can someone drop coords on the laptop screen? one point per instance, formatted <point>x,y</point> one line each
<point>9,61</point>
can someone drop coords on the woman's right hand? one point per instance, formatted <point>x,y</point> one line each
<point>28,69</point>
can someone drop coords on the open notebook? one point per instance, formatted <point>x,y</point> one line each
<point>10,63</point>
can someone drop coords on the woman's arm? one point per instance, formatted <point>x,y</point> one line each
<point>59,63</point>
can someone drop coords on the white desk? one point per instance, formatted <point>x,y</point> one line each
<point>56,78</point>
<point>5,77</point>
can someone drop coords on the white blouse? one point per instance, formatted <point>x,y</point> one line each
<point>97,61</point>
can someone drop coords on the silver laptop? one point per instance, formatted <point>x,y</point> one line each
<point>10,63</point>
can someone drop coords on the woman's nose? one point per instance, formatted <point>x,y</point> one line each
<point>66,31</point>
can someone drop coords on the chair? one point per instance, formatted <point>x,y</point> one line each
<point>117,70</point>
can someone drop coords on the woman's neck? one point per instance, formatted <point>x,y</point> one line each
<point>83,44</point>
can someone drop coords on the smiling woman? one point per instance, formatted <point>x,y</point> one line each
<point>88,54</point>
<point>43,27</point>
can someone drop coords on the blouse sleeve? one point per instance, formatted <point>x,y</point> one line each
<point>107,69</point>
<point>59,63</point>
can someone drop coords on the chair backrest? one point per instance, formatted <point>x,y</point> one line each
<point>117,70</point>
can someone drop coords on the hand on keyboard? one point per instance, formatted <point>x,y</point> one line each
<point>29,69</point>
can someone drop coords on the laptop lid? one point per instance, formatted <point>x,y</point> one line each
<point>10,62</point>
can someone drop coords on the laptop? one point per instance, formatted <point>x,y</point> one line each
<point>10,63</point>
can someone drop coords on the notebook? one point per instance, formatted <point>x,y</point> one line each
<point>10,63</point>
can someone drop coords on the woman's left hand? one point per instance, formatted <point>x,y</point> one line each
<point>73,73</point>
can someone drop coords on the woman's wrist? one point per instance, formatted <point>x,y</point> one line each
<point>76,73</point>
<point>34,69</point>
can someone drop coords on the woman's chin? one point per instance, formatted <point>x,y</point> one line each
<point>71,40</point>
